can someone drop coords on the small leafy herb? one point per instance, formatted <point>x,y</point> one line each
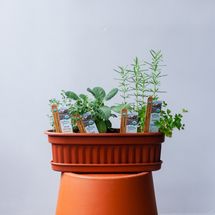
<point>168,121</point>
<point>80,104</point>
<point>100,111</point>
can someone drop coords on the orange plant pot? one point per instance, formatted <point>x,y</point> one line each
<point>106,194</point>
<point>106,152</point>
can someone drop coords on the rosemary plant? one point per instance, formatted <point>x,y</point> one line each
<point>142,82</point>
<point>136,80</point>
<point>155,75</point>
<point>123,83</point>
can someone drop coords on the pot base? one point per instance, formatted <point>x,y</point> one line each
<point>115,194</point>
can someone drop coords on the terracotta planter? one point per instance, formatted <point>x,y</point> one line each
<point>106,194</point>
<point>105,153</point>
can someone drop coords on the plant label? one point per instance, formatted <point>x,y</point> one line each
<point>79,123</point>
<point>132,122</point>
<point>124,116</point>
<point>148,114</point>
<point>65,121</point>
<point>155,115</point>
<point>89,123</point>
<point>56,118</point>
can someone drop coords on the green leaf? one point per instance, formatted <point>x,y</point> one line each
<point>105,112</point>
<point>101,125</point>
<point>108,124</point>
<point>184,110</point>
<point>71,95</point>
<point>118,108</point>
<point>84,97</point>
<point>168,111</point>
<point>91,91</point>
<point>111,94</point>
<point>97,92</point>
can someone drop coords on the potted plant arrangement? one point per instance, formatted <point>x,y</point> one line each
<point>83,139</point>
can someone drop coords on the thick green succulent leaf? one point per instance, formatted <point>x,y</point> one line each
<point>118,108</point>
<point>101,125</point>
<point>71,95</point>
<point>97,92</point>
<point>111,94</point>
<point>105,112</point>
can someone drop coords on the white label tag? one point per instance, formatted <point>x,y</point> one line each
<point>89,123</point>
<point>132,122</point>
<point>155,115</point>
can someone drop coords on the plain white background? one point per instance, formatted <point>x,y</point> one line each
<point>49,45</point>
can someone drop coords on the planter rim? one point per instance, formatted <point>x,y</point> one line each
<point>148,134</point>
<point>107,176</point>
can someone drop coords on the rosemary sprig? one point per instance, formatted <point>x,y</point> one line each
<point>124,87</point>
<point>154,77</point>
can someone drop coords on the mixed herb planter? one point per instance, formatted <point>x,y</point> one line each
<point>83,139</point>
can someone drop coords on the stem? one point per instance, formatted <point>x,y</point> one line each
<point>136,74</point>
<point>123,84</point>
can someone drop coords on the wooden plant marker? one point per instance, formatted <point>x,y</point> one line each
<point>148,114</point>
<point>124,117</point>
<point>56,118</point>
<point>80,123</point>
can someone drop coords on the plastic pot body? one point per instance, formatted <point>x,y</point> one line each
<point>106,194</point>
<point>106,153</point>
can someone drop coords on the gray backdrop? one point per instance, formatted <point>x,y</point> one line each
<point>49,45</point>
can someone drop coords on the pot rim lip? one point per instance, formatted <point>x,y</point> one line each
<point>148,134</point>
<point>107,176</point>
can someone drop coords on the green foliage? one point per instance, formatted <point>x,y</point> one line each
<point>124,86</point>
<point>80,104</point>
<point>138,82</point>
<point>141,114</point>
<point>111,94</point>
<point>101,112</point>
<point>154,77</point>
<point>168,121</point>
<point>141,80</point>
<point>118,108</point>
<point>101,125</point>
<point>54,101</point>
<point>71,95</point>
<point>98,93</point>
<point>104,112</point>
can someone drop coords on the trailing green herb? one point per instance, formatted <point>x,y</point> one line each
<point>168,121</point>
